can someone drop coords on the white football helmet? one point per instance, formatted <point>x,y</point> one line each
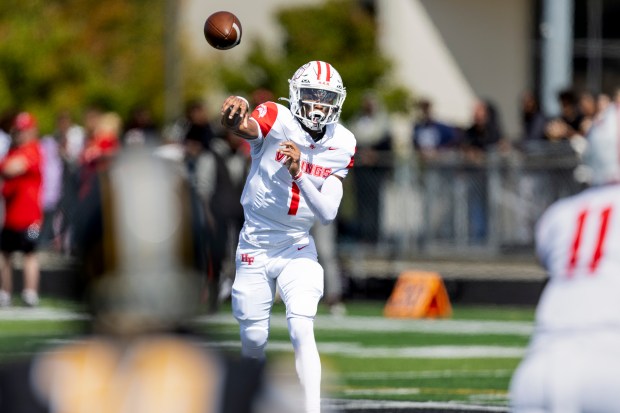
<point>602,154</point>
<point>316,95</point>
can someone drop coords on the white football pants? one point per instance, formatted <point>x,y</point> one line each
<point>569,373</point>
<point>295,271</point>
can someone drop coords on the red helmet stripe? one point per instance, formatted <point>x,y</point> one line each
<point>318,72</point>
<point>328,74</point>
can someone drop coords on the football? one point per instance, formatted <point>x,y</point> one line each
<point>223,30</point>
<point>232,123</point>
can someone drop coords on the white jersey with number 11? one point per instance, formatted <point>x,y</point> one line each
<point>578,242</point>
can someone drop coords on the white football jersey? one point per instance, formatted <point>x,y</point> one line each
<point>578,242</point>
<point>276,213</point>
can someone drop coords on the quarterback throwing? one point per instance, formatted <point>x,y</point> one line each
<point>300,155</point>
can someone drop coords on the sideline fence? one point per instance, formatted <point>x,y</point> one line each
<point>451,206</point>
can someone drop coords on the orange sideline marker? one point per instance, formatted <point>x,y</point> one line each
<point>418,294</point>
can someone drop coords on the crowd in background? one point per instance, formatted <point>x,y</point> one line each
<point>215,164</point>
<point>577,112</point>
<point>441,151</point>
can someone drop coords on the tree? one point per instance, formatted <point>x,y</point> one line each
<point>340,32</point>
<point>68,54</point>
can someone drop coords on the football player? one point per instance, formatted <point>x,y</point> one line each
<point>300,155</point>
<point>573,359</point>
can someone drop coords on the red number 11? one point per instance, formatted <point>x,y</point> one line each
<point>598,252</point>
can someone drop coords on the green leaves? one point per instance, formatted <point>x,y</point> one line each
<point>68,54</point>
<point>340,32</point>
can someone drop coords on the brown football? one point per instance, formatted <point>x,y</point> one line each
<point>223,30</point>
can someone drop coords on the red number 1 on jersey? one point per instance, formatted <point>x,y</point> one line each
<point>292,209</point>
<point>600,240</point>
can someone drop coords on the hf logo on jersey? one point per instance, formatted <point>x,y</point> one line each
<point>247,258</point>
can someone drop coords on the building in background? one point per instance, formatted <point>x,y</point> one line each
<point>453,52</point>
<point>441,49</point>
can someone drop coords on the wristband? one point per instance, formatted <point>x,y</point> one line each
<point>245,100</point>
<point>298,175</point>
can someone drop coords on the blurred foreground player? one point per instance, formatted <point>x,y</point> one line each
<point>141,357</point>
<point>300,155</point>
<point>573,359</point>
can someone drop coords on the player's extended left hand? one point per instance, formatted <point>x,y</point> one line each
<point>235,111</point>
<point>291,151</point>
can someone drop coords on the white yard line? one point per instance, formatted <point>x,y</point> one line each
<point>378,405</point>
<point>395,391</point>
<point>429,374</point>
<point>380,324</point>
<point>358,351</point>
<point>39,313</point>
<point>355,350</point>
<point>323,322</point>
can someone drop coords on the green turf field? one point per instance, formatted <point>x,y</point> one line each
<point>468,358</point>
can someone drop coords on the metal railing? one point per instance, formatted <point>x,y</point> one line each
<point>451,205</point>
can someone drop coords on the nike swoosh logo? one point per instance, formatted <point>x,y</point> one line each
<point>301,248</point>
<point>331,148</point>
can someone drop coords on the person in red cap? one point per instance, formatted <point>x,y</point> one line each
<point>21,170</point>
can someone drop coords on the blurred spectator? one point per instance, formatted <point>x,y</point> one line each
<point>325,237</point>
<point>588,109</point>
<point>71,139</point>
<point>195,167</point>
<point>197,120</point>
<point>483,135</point>
<point>602,102</point>
<point>51,188</point>
<point>435,142</point>
<point>6,121</point>
<point>91,120</point>
<point>101,146</point>
<point>227,160</point>
<point>532,119</point>
<point>431,137</point>
<point>86,165</point>
<point>533,143</point>
<point>371,128</point>
<point>217,176</point>
<point>140,129</point>
<point>484,132</point>
<point>568,124</point>
<point>104,141</point>
<point>616,96</point>
<point>22,173</point>
<point>188,158</point>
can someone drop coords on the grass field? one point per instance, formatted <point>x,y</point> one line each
<point>468,358</point>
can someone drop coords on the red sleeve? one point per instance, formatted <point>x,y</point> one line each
<point>33,157</point>
<point>108,144</point>
<point>265,114</point>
